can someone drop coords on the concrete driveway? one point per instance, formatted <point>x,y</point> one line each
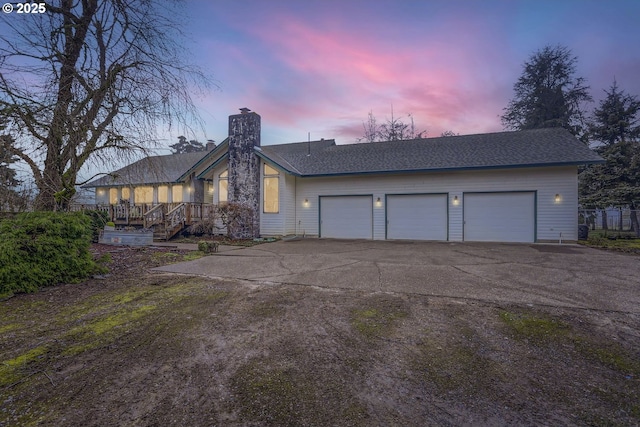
<point>554,275</point>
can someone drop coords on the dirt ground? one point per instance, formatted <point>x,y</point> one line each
<point>134,348</point>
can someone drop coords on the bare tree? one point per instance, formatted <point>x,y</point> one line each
<point>393,129</point>
<point>89,80</point>
<point>449,133</point>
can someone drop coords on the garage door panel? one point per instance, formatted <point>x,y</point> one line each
<point>417,217</point>
<point>346,217</point>
<point>499,217</point>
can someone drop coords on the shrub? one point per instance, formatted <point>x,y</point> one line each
<point>43,249</point>
<point>98,220</point>
<point>207,247</point>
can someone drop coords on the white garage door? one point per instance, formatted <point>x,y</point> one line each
<point>417,216</point>
<point>346,217</point>
<point>499,217</point>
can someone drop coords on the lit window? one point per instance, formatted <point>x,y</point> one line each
<point>143,195</point>
<point>271,200</point>
<point>113,196</point>
<point>176,194</point>
<point>126,193</point>
<point>163,194</point>
<point>223,187</point>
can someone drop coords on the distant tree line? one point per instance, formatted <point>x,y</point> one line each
<point>548,94</point>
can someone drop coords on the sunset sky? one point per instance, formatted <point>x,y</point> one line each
<point>319,67</point>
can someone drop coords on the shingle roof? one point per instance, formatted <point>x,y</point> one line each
<point>150,170</point>
<point>538,147</point>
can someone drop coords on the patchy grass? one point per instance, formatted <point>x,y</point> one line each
<point>537,328</point>
<point>610,354</point>
<point>267,393</point>
<point>621,242</point>
<point>544,329</point>
<point>456,367</point>
<point>223,240</point>
<point>162,349</point>
<point>174,257</point>
<point>273,396</point>
<point>379,318</point>
<point>10,369</point>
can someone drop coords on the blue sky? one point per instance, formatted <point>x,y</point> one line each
<point>319,67</point>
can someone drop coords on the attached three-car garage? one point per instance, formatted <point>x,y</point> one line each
<point>508,216</point>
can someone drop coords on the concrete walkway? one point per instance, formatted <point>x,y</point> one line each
<point>555,275</point>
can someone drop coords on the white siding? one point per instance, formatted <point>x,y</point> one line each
<point>552,218</point>
<point>288,203</point>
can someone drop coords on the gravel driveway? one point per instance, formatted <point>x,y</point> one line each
<point>552,275</point>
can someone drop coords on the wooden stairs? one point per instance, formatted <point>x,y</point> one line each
<point>165,225</point>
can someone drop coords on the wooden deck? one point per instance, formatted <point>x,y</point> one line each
<point>166,219</point>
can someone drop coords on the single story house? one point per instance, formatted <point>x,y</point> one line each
<point>504,187</point>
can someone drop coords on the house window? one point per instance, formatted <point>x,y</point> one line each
<point>208,196</point>
<point>271,200</point>
<point>163,194</point>
<point>223,187</point>
<point>176,194</point>
<point>126,194</point>
<point>143,195</point>
<point>113,196</point>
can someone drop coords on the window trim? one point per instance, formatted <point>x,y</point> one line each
<point>224,178</point>
<point>265,176</point>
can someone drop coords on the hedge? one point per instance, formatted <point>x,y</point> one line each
<point>39,249</point>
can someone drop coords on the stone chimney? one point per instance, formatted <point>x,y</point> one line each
<point>244,174</point>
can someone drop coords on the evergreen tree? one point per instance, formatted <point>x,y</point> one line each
<point>616,118</point>
<point>616,182</point>
<point>184,146</point>
<point>548,94</point>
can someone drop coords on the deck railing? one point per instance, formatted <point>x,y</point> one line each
<point>149,214</point>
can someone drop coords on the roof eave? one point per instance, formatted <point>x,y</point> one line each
<point>212,166</point>
<point>290,169</point>
<point>204,158</point>
<point>451,169</point>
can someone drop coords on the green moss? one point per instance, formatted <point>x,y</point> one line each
<point>193,255</point>
<point>376,322</point>
<point>9,368</point>
<point>534,327</point>
<point>105,325</point>
<point>267,309</point>
<point>610,354</point>
<point>454,367</point>
<point>10,327</point>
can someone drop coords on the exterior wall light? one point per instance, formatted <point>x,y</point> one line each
<point>455,201</point>
<point>306,203</point>
<point>557,199</point>
<point>378,202</point>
